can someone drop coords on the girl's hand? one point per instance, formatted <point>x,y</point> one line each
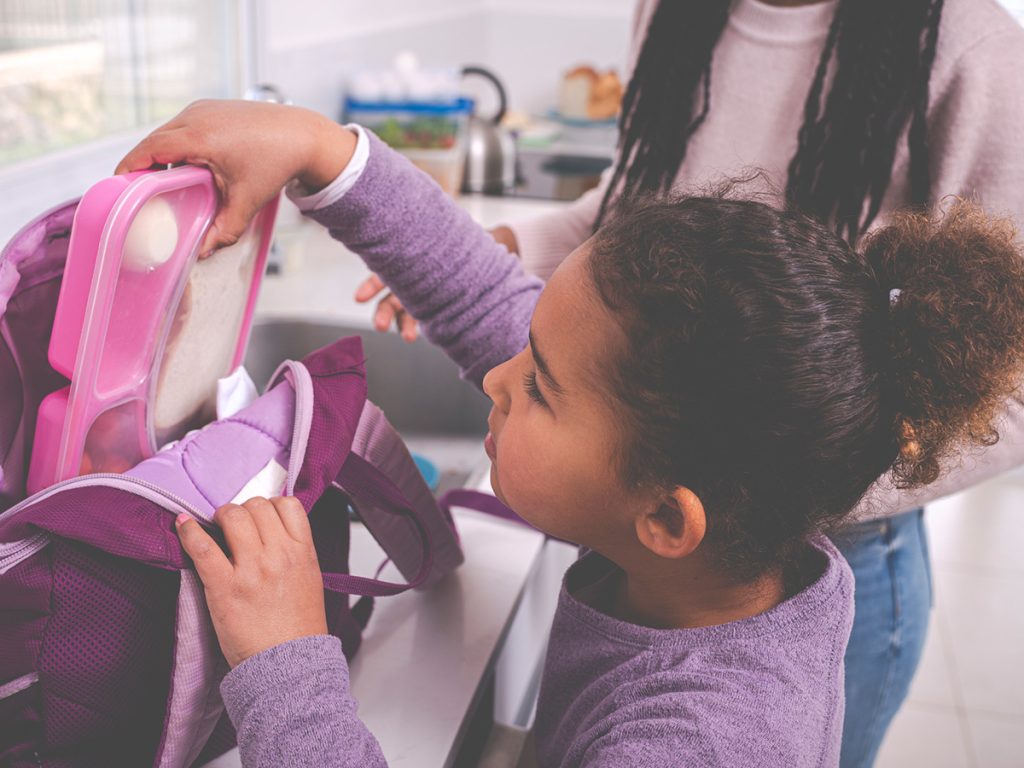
<point>270,591</point>
<point>253,149</point>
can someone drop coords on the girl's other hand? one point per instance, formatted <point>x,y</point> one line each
<point>253,149</point>
<point>270,591</point>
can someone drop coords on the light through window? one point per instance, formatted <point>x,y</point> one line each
<point>73,71</point>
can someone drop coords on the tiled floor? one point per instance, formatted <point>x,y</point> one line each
<point>966,706</point>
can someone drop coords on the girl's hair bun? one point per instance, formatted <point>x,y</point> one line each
<point>953,286</point>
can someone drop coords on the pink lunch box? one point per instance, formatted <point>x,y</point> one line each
<point>143,328</point>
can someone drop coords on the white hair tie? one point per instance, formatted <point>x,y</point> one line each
<point>894,296</point>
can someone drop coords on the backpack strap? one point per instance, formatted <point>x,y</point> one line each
<point>479,501</point>
<point>365,485</point>
<point>377,441</point>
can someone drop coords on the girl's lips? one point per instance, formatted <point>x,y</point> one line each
<point>490,448</point>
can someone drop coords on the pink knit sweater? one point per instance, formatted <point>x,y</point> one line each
<point>763,66</point>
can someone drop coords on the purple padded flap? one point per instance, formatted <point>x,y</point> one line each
<point>209,467</point>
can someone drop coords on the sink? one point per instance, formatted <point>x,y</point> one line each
<point>438,414</point>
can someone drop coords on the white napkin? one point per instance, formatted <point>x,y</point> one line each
<point>235,392</point>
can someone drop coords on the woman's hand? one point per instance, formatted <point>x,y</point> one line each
<point>505,236</point>
<point>389,309</point>
<point>253,149</point>
<point>270,591</point>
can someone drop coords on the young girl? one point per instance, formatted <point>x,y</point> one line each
<point>703,387</point>
<point>856,108</point>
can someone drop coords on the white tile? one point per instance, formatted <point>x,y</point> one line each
<point>983,615</point>
<point>980,527</point>
<point>997,742</point>
<point>932,683</point>
<point>925,736</point>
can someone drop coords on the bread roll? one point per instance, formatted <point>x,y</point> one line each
<point>588,95</point>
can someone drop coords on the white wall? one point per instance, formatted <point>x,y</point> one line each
<point>531,44</point>
<point>312,72</point>
<point>300,22</point>
<point>309,46</point>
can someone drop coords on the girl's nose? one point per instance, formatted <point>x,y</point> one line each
<point>495,386</point>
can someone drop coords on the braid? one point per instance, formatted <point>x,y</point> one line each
<point>695,124</point>
<point>843,163</point>
<point>811,136</point>
<point>880,54</point>
<point>658,105</point>
<point>917,138</point>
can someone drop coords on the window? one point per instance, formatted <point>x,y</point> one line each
<point>1016,8</point>
<point>75,71</point>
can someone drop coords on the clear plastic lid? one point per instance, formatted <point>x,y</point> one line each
<point>144,329</point>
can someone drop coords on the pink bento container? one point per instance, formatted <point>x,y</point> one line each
<point>143,328</point>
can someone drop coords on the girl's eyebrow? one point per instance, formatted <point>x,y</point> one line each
<point>542,366</point>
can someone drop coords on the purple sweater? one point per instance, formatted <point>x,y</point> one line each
<point>764,691</point>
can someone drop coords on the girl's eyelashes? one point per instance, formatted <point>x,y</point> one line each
<point>532,390</point>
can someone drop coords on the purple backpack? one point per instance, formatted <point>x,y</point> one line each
<point>107,654</point>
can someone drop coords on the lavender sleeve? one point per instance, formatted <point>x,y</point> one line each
<point>470,294</point>
<point>291,706</point>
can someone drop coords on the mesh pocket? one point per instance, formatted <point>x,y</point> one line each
<point>105,663</point>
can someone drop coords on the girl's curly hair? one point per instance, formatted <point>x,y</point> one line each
<point>778,373</point>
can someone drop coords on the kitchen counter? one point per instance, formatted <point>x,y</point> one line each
<point>433,663</point>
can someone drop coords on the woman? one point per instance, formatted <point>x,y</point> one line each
<point>854,108</point>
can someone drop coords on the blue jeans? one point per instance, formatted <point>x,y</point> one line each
<point>893,596</point>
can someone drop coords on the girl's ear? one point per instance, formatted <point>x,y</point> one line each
<point>676,528</point>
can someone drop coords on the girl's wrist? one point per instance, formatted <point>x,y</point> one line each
<point>331,149</point>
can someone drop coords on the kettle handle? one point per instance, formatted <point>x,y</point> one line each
<point>487,74</point>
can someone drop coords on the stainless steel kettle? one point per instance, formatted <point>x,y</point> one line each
<point>490,149</point>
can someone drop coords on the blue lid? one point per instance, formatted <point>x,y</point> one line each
<point>422,107</point>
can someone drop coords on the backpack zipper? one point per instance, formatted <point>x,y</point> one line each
<point>12,553</point>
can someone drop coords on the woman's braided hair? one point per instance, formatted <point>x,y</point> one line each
<point>879,54</point>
